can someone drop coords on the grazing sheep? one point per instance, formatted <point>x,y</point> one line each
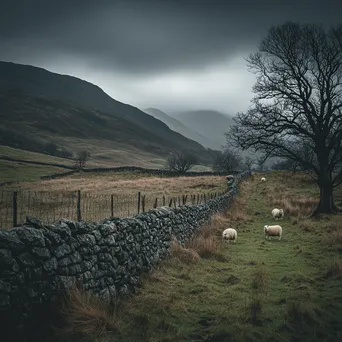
<point>263,179</point>
<point>277,213</point>
<point>273,231</point>
<point>229,234</point>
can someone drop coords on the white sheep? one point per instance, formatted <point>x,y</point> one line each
<point>263,179</point>
<point>277,213</point>
<point>273,231</point>
<point>229,234</point>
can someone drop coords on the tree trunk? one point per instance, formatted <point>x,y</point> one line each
<point>326,200</point>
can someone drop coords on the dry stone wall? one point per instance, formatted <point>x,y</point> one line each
<point>156,172</point>
<point>39,262</point>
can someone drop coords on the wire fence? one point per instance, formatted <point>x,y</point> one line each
<point>49,207</point>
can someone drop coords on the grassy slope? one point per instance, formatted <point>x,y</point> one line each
<point>102,154</point>
<point>18,171</point>
<point>256,290</point>
<point>6,151</point>
<point>23,172</point>
<point>37,106</point>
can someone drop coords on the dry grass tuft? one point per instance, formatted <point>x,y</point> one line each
<point>218,224</point>
<point>207,242</point>
<point>297,206</point>
<point>86,315</point>
<point>185,255</point>
<point>237,211</point>
<point>206,247</point>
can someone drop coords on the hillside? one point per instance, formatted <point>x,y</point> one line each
<point>208,123</point>
<point>179,127</point>
<point>38,106</point>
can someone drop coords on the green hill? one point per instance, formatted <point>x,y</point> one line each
<point>38,106</point>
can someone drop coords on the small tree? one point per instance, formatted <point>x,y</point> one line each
<point>248,163</point>
<point>81,158</point>
<point>227,161</point>
<point>181,161</point>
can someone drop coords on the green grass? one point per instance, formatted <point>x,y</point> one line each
<point>16,153</point>
<point>22,172</point>
<point>257,290</point>
<point>11,171</point>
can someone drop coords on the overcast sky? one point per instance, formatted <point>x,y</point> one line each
<point>172,55</point>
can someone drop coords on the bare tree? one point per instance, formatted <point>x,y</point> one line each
<point>227,161</point>
<point>81,158</point>
<point>181,161</point>
<point>298,98</point>
<point>248,162</point>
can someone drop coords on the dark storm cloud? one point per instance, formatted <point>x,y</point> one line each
<point>148,36</point>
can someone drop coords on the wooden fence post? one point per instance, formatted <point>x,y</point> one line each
<point>170,203</point>
<point>112,205</point>
<point>155,203</point>
<point>15,208</point>
<point>163,201</point>
<point>198,198</point>
<point>79,217</point>
<point>138,202</point>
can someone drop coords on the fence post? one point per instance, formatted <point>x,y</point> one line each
<point>155,203</point>
<point>198,198</point>
<point>79,217</point>
<point>170,203</point>
<point>204,198</point>
<point>15,208</point>
<point>112,205</point>
<point>138,202</point>
<point>163,201</point>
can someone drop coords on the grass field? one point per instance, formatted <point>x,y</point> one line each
<point>254,290</point>
<point>100,156</point>
<point>125,183</point>
<point>50,200</point>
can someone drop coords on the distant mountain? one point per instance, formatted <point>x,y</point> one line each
<point>37,105</point>
<point>208,123</point>
<point>179,127</point>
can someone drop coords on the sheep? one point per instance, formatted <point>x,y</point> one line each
<point>277,213</point>
<point>263,179</point>
<point>229,234</point>
<point>273,231</point>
